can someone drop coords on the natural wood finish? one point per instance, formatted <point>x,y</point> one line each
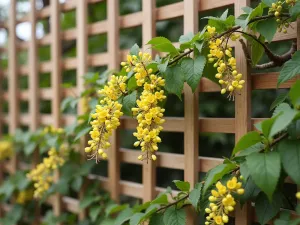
<point>149,31</point>
<point>13,78</point>
<point>82,53</point>
<point>113,63</point>
<point>33,89</point>
<point>191,111</point>
<point>242,109</point>
<point>55,83</point>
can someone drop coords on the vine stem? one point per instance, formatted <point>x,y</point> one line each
<point>235,29</point>
<point>173,203</point>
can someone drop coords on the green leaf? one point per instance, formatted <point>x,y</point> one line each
<point>266,210</point>
<point>267,125</point>
<point>247,141</point>
<point>257,50</point>
<point>295,10</point>
<point>76,183</point>
<point>174,80</point>
<point>284,116</point>
<point>269,2</point>
<point>94,212</point>
<point>29,148</point>
<point>265,170</point>
<point>280,99</point>
<point>157,219</point>
<point>88,200</point>
<point>252,149</point>
<point>216,174</point>
<point>172,216</point>
<point>161,199</point>
<point>82,132</point>
<point>163,66</point>
<point>136,218</point>
<point>195,195</point>
<point>66,103</point>
<point>295,94</point>
<point>290,157</point>
<point>86,168</point>
<point>294,130</point>
<point>162,44</point>
<point>132,84</point>
<point>267,28</point>
<point>134,50</point>
<point>114,208</point>
<point>182,185</point>
<point>129,101</point>
<point>284,218</point>
<point>290,69</point>
<point>123,216</point>
<point>193,70</point>
<point>251,191</point>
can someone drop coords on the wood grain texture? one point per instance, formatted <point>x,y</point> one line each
<point>55,84</point>
<point>113,63</point>
<point>191,111</point>
<point>242,109</point>
<point>82,66</point>
<point>148,32</point>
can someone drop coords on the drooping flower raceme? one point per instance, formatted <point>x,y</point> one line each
<point>106,118</point>
<point>221,55</point>
<point>148,112</point>
<point>42,175</point>
<point>222,202</point>
<point>6,150</point>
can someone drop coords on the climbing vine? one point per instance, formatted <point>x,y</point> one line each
<point>260,163</point>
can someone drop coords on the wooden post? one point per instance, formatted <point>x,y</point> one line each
<point>191,107</point>
<point>113,58</point>
<point>149,30</point>
<point>33,89</point>
<point>242,109</point>
<point>13,78</point>
<point>82,53</point>
<point>56,82</point>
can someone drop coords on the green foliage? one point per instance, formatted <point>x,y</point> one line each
<point>247,141</point>
<point>264,168</point>
<point>162,44</point>
<point>290,69</point>
<point>173,216</point>
<point>174,80</point>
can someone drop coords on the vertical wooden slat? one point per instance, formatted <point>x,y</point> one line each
<point>13,78</point>
<point>242,109</point>
<point>33,89</point>
<point>149,169</point>
<point>82,52</point>
<point>56,82</point>
<point>191,105</point>
<point>1,127</point>
<point>113,54</point>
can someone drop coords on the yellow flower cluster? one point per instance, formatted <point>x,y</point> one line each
<point>42,175</point>
<point>53,130</point>
<point>106,117</point>
<point>222,202</point>
<point>24,196</point>
<point>276,10</point>
<point>148,112</point>
<point>221,55</point>
<point>6,150</point>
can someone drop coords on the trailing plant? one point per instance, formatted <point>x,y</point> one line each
<point>261,161</point>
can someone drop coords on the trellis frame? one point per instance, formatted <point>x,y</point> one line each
<point>190,124</point>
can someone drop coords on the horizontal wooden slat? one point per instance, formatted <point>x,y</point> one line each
<point>208,4</point>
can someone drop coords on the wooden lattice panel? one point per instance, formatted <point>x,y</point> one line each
<point>190,125</point>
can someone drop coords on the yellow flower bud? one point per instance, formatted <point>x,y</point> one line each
<point>207,210</point>
<point>298,195</point>
<point>153,157</point>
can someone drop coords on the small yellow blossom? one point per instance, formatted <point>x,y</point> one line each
<point>221,55</point>
<point>298,195</point>
<point>42,174</point>
<point>6,150</point>
<point>222,202</point>
<point>24,196</point>
<point>106,118</point>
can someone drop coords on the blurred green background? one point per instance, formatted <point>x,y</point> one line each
<point>211,105</point>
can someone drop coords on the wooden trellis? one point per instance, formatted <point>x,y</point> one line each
<point>190,125</point>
